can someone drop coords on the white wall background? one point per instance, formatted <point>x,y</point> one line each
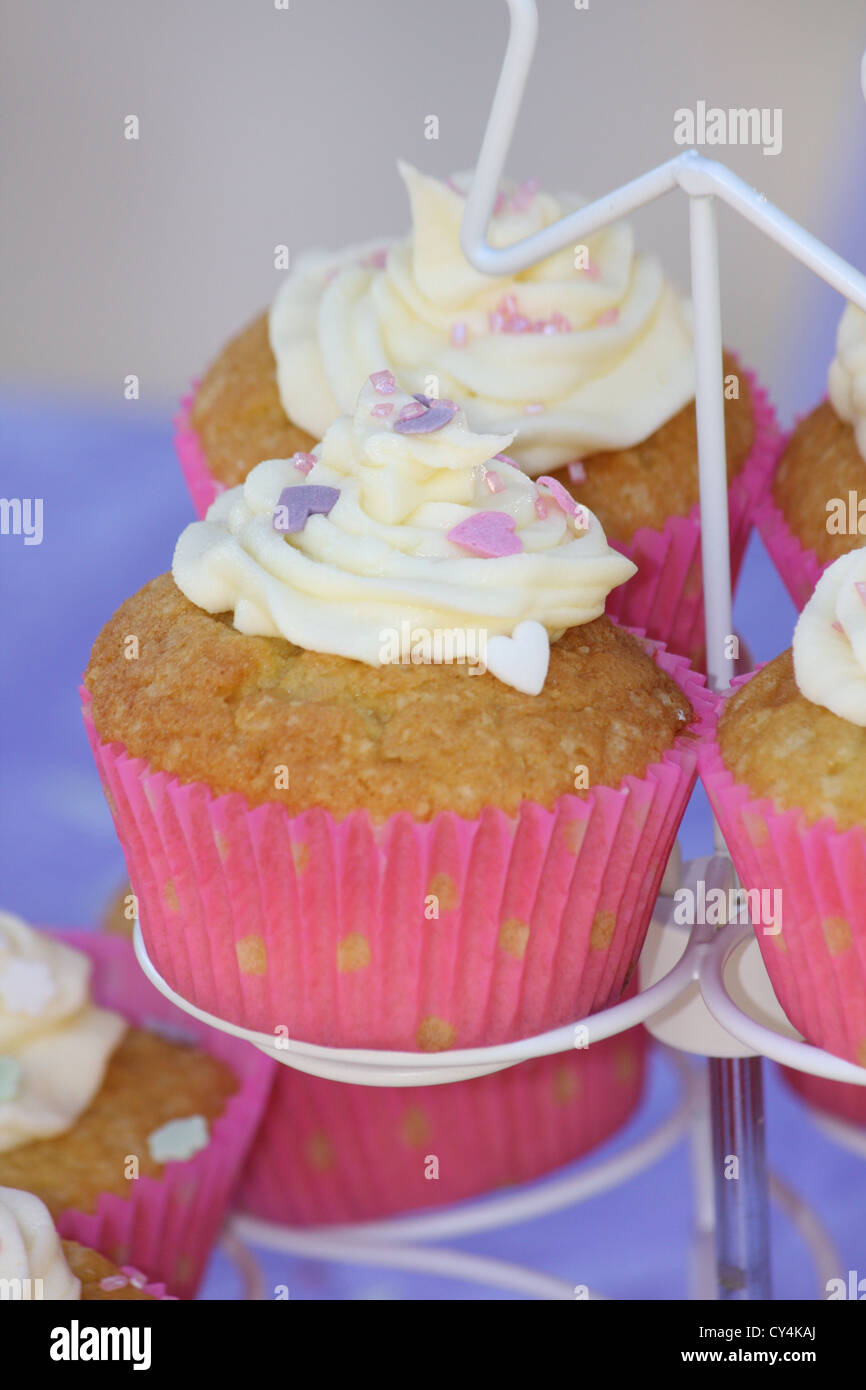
<point>261,126</point>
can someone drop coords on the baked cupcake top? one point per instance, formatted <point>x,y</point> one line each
<point>846,382</point>
<point>30,1248</point>
<point>589,350</point>
<point>403,523</point>
<point>54,1042</point>
<point>795,732</point>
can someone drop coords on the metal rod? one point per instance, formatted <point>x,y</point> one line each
<point>740,1176</point>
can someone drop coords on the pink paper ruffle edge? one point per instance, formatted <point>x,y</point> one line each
<point>167,1226</point>
<point>541,915</point>
<point>328,1152</point>
<point>798,568</point>
<point>817,963</point>
<point>665,597</point>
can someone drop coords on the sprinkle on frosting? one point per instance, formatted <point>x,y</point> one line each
<point>830,640</point>
<point>605,351</point>
<point>10,1078</point>
<point>383,382</point>
<point>416,534</point>
<point>430,417</point>
<point>304,462</point>
<point>297,504</point>
<point>489,534</point>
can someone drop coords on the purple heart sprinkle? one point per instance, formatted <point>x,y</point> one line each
<point>439,414</point>
<point>298,504</point>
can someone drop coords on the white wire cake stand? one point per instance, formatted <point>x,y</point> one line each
<point>705,993</point>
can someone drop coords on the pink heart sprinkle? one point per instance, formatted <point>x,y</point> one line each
<point>493,481</point>
<point>860,586</point>
<point>524,194</point>
<point>303,462</point>
<point>458,335</point>
<point>382,408</point>
<point>136,1278</point>
<point>562,498</point>
<point>487,534</point>
<point>576,471</point>
<point>112,1282</point>
<point>411,411</point>
<point>607,316</point>
<point>383,382</point>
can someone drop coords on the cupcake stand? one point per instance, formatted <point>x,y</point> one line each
<point>704,991</point>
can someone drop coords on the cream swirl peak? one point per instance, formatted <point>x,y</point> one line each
<point>54,1044</point>
<point>846,382</point>
<point>30,1251</point>
<point>589,350</point>
<point>402,515</point>
<point>830,640</point>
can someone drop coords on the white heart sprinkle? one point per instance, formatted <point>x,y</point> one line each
<point>522,659</point>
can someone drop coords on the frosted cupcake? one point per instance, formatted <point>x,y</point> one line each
<point>383,772</point>
<point>787,781</point>
<point>36,1265</point>
<point>116,1128</point>
<point>586,359</point>
<point>816,510</point>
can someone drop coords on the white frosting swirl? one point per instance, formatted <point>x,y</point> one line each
<point>382,556</point>
<point>846,382</point>
<point>30,1250</point>
<point>830,640</point>
<point>612,362</point>
<point>54,1042</point>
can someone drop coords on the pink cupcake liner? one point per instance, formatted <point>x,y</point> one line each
<point>817,963</point>
<point>167,1226</point>
<point>798,568</point>
<point>328,1152</point>
<point>315,928</point>
<point>835,1098</point>
<point>665,597</point>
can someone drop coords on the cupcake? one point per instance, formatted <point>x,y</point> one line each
<point>328,1152</point>
<point>36,1265</point>
<point>132,1139</point>
<point>585,358</point>
<point>816,509</point>
<point>833,1098</point>
<point>384,774</point>
<point>787,781</point>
